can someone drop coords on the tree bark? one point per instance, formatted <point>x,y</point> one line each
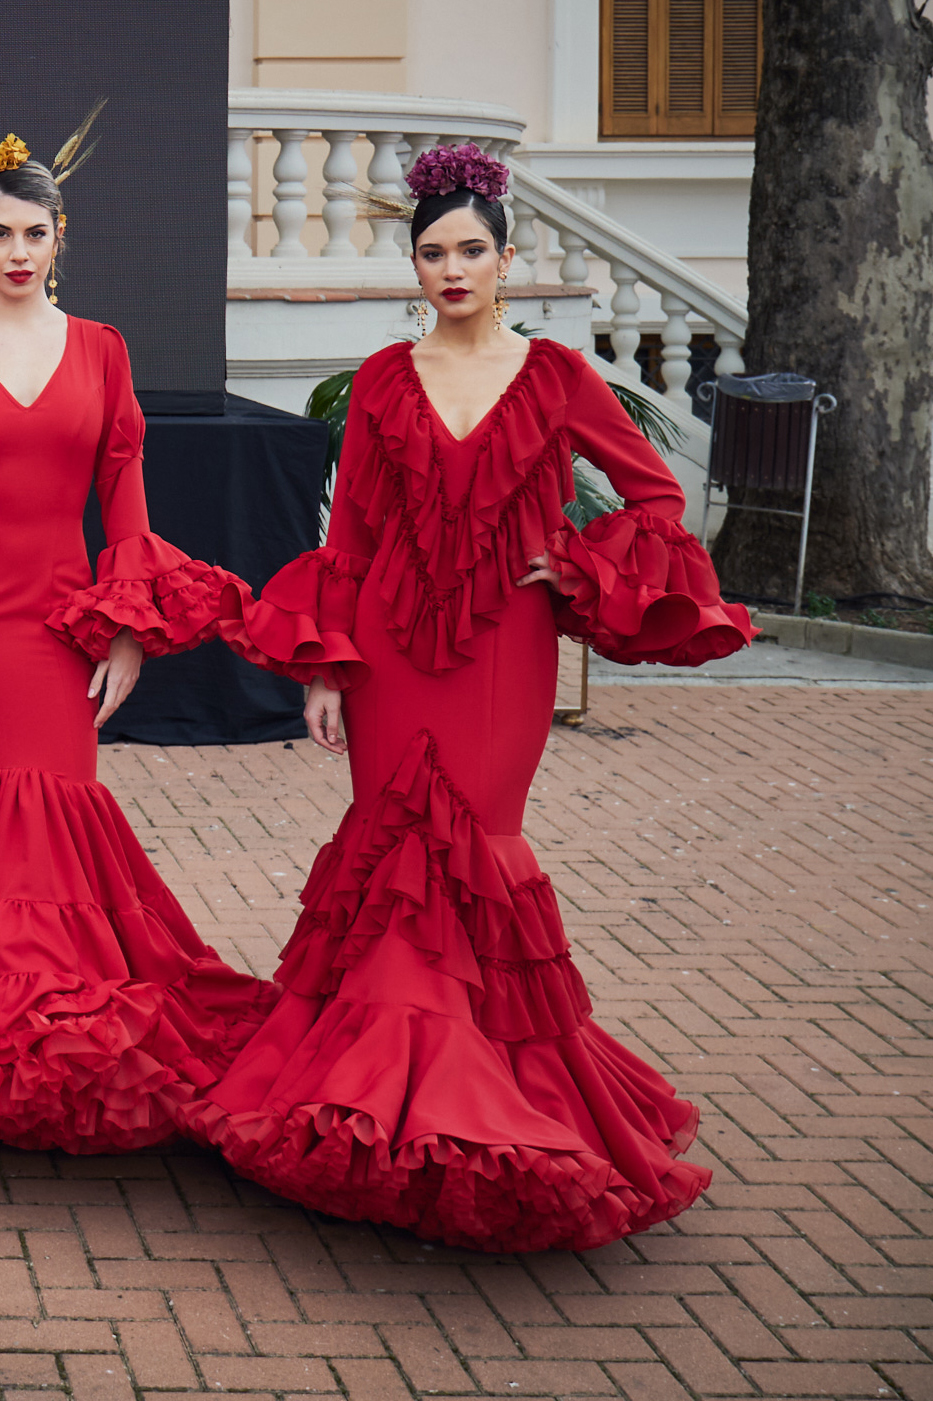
<point>841,289</point>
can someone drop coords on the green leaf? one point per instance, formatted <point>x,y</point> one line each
<point>329,401</point>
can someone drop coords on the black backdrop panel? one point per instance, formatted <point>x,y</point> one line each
<point>242,491</point>
<point>147,213</point>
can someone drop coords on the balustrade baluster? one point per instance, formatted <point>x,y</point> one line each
<point>239,193</point>
<point>573,268</point>
<point>339,212</point>
<point>675,337</point>
<point>525,235</point>
<point>290,211</point>
<point>729,361</point>
<point>385,178</point>
<point>625,335</point>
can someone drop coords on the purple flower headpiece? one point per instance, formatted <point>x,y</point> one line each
<point>447,168</point>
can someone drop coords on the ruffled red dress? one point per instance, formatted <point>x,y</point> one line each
<point>112,1011</point>
<point>432,1061</point>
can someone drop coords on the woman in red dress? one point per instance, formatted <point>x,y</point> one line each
<point>112,1010</point>
<point>432,1061</point>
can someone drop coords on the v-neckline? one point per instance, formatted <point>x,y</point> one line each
<point>507,391</point>
<point>45,388</point>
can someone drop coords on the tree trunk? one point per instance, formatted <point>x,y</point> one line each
<point>841,289</point>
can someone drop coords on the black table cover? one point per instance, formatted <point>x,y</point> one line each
<point>241,490</point>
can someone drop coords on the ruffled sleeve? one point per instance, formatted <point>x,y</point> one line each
<point>301,624</point>
<point>168,601</point>
<point>635,584</point>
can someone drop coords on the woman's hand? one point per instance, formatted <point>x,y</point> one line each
<point>322,717</point>
<point>541,572</point>
<point>120,671</point>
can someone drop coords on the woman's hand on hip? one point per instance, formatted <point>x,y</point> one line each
<point>541,572</point>
<point>322,717</point>
<point>119,672</point>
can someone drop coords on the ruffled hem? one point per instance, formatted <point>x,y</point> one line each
<point>419,867</point>
<point>415,1072</point>
<point>168,601</point>
<point>112,1011</point>
<point>521,1180</point>
<point>639,588</point>
<point>300,626</point>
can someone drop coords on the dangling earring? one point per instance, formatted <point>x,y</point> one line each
<point>500,305</point>
<point>53,281</point>
<point>421,311</point>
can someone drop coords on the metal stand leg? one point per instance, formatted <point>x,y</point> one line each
<point>822,404</point>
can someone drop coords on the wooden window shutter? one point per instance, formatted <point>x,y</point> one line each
<point>627,96</point>
<point>686,96</point>
<point>738,67</point>
<point>679,67</point>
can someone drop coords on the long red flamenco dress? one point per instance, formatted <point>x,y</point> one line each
<point>432,1061</point>
<point>113,1013</point>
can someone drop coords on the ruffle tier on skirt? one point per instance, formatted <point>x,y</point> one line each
<point>113,1013</point>
<point>432,1062</point>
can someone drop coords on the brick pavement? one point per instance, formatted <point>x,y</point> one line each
<point>746,876</point>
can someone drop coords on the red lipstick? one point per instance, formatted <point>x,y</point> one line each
<point>455,294</point>
<point>19,277</point>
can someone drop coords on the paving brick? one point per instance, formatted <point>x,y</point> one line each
<point>770,1296</point>
<point>259,1293</point>
<point>157,1355</point>
<point>471,1326</point>
<point>110,1232</point>
<point>543,1378</point>
<point>56,1335</point>
<point>58,1259</point>
<point>646,1381</point>
<point>915,1383</point>
<point>426,1358</point>
<point>17,1295</point>
<point>372,1381</point>
<point>28,1370</point>
<point>259,1373</point>
<point>853,1345</point>
<point>209,1321</point>
<point>104,1303</point>
<point>315,1340</point>
<point>514,1294</point>
<point>698,1362</point>
<point>735,1328</point>
<point>814,1379</point>
<point>98,1379</point>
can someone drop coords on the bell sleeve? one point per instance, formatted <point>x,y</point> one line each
<point>301,625</point>
<point>168,601</point>
<point>634,584</point>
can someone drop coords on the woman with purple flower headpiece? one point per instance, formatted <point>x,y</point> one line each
<point>432,1061</point>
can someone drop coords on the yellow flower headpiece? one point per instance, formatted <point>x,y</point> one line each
<point>13,153</point>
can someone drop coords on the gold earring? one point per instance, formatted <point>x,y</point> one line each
<point>421,311</point>
<point>500,305</point>
<point>53,281</point>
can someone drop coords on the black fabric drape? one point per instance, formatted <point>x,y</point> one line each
<point>241,490</point>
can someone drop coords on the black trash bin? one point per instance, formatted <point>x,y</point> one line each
<point>763,434</point>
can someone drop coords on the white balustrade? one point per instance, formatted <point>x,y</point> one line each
<point>398,129</point>
<point>582,228</point>
<point>385,178</point>
<point>729,360</point>
<point>239,193</point>
<point>675,338</point>
<point>625,335</point>
<point>290,212</point>
<point>524,234</point>
<point>339,212</point>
